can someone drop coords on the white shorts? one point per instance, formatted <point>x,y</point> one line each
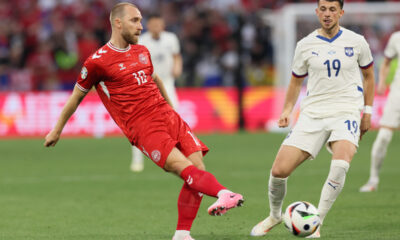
<point>391,112</point>
<point>310,134</point>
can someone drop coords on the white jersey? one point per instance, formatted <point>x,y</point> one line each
<point>333,67</point>
<point>392,50</point>
<point>162,51</point>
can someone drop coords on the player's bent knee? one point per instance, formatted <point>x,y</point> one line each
<point>200,166</point>
<point>280,172</point>
<point>176,166</point>
<point>176,162</point>
<point>343,150</point>
<point>197,160</point>
<point>345,155</point>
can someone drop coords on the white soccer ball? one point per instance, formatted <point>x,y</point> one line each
<point>301,218</point>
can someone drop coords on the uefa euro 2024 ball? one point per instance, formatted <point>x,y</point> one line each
<point>301,218</point>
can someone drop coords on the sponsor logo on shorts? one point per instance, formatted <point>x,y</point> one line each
<point>156,155</point>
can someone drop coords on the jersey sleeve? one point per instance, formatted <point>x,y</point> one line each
<point>390,50</point>
<point>88,77</point>
<point>175,44</point>
<point>365,58</point>
<point>299,68</point>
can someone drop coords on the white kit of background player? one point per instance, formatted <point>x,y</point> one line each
<point>332,57</point>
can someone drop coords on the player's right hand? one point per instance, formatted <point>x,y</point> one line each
<point>51,139</point>
<point>284,120</point>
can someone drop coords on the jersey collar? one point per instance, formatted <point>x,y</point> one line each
<point>330,40</point>
<point>118,49</point>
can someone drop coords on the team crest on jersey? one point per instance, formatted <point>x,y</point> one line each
<point>349,51</point>
<point>84,73</point>
<point>143,58</point>
<point>156,155</point>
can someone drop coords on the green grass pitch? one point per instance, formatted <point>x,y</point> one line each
<point>83,189</point>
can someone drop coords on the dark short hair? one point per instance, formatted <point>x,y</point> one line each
<point>154,16</point>
<point>341,2</point>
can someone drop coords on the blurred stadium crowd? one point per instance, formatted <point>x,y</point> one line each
<point>43,43</point>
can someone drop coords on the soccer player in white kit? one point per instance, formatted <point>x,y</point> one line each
<point>332,57</point>
<point>167,61</point>
<point>391,115</point>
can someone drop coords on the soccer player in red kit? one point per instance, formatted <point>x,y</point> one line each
<point>122,73</point>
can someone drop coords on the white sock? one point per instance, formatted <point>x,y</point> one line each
<point>222,192</point>
<point>333,186</point>
<point>180,234</point>
<point>276,193</point>
<point>137,155</point>
<point>378,153</point>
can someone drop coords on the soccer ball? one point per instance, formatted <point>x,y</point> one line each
<point>301,218</point>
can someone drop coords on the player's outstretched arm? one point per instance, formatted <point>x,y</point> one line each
<point>369,83</point>
<point>292,94</point>
<point>69,108</point>
<point>383,73</point>
<point>161,87</point>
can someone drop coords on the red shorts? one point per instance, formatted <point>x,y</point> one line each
<point>158,136</point>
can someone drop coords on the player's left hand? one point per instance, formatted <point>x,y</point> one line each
<point>365,124</point>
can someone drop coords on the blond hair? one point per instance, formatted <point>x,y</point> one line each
<point>118,10</point>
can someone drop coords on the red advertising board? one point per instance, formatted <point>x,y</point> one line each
<point>34,114</point>
<point>206,110</point>
<point>209,110</point>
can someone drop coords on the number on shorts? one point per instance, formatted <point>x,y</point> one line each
<point>352,126</point>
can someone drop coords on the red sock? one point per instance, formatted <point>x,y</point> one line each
<point>201,181</point>
<point>188,204</point>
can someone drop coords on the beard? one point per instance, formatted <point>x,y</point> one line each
<point>129,37</point>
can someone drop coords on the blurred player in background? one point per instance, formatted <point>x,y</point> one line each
<point>391,115</point>
<point>331,56</point>
<point>122,73</point>
<point>167,61</point>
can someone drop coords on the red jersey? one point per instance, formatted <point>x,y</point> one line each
<point>123,80</point>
